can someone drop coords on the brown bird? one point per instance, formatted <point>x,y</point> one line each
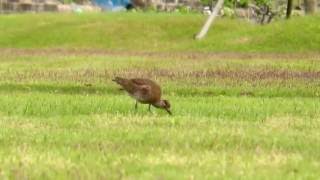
<point>144,91</point>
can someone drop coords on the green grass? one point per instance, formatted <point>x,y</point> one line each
<point>236,114</point>
<point>62,117</point>
<point>156,32</point>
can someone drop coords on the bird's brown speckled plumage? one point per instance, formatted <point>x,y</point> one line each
<point>144,91</point>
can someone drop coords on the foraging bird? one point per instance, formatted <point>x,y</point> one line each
<point>144,91</point>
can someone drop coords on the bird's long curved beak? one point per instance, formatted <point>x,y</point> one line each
<point>169,111</point>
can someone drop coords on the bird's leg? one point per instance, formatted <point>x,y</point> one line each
<point>149,107</point>
<point>136,106</point>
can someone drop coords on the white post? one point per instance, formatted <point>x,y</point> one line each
<point>210,19</point>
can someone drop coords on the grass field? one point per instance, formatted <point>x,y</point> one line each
<point>236,114</point>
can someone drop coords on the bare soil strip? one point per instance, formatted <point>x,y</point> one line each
<point>177,55</point>
<point>88,75</point>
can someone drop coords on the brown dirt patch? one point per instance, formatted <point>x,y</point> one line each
<point>177,55</point>
<point>89,75</point>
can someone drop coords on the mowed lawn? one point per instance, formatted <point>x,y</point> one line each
<point>62,117</point>
<point>236,115</point>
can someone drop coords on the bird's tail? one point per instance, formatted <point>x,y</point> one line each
<point>125,84</point>
<point>120,80</point>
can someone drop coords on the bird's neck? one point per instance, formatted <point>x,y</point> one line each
<point>158,104</point>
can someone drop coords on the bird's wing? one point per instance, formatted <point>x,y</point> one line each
<point>140,82</point>
<point>144,85</point>
<point>145,89</point>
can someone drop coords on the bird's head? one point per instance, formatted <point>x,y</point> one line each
<point>164,104</point>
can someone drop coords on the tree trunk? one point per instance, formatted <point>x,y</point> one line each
<point>289,8</point>
<point>310,6</point>
<point>210,20</point>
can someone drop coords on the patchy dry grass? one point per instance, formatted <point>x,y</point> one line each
<point>89,73</point>
<point>234,117</point>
